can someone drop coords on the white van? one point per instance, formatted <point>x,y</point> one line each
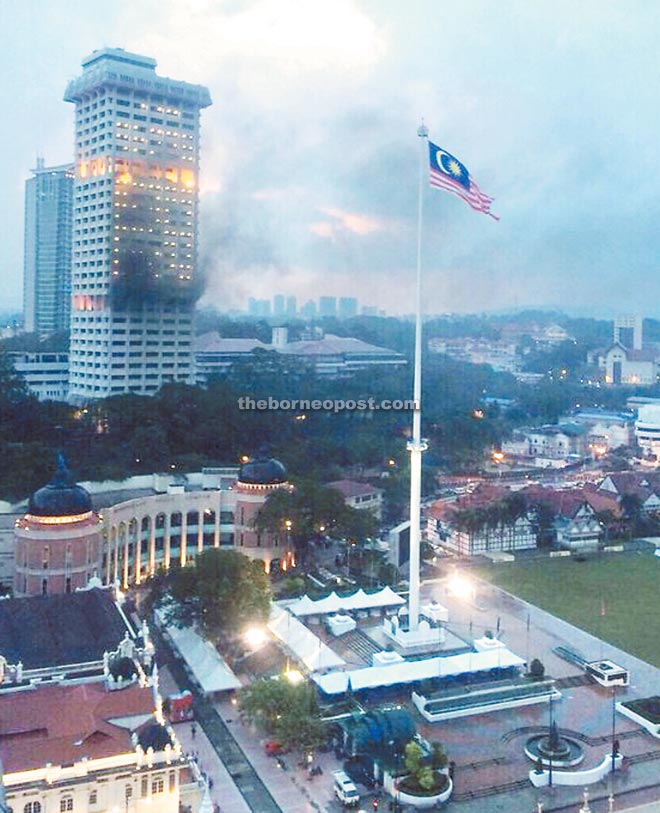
<point>345,790</point>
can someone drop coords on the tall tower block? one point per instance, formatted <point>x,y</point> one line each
<point>134,280</point>
<point>47,257</point>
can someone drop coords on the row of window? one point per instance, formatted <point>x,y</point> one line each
<point>67,804</point>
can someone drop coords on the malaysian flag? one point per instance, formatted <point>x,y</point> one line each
<point>447,172</point>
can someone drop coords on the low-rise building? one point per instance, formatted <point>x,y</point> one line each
<point>647,429</point>
<point>623,365</point>
<point>633,491</point>
<point>569,516</point>
<point>327,355</point>
<point>361,496</point>
<point>60,638</point>
<point>88,747</point>
<point>558,442</point>
<point>45,373</point>
<point>488,520</point>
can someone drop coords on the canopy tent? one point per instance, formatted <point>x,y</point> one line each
<point>206,664</point>
<point>371,677</point>
<point>302,642</point>
<point>356,601</point>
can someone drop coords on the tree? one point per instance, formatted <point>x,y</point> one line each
<point>284,710</point>
<point>419,770</point>
<point>536,669</point>
<point>312,509</point>
<point>222,591</point>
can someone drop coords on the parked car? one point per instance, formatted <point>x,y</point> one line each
<point>345,790</point>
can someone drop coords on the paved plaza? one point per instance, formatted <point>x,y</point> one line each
<point>491,768</point>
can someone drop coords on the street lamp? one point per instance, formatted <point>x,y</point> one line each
<point>614,742</point>
<point>348,557</point>
<point>255,637</point>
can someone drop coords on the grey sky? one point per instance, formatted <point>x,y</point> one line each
<point>309,162</point>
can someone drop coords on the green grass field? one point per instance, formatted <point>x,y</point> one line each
<point>614,596</point>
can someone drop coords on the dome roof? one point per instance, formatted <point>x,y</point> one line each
<point>61,497</point>
<point>262,471</point>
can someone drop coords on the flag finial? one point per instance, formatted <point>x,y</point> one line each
<point>423,130</point>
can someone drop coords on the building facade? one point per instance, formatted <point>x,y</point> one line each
<point>46,374</point>
<point>144,534</point>
<point>361,496</point>
<point>134,281</point>
<point>47,249</point>
<point>58,542</point>
<point>93,747</point>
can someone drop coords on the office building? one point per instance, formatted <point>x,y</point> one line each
<point>279,305</point>
<point>47,252</point>
<point>291,306</point>
<point>348,307</point>
<point>327,306</point>
<point>134,282</point>
<point>45,373</point>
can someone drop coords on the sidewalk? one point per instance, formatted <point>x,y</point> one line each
<point>291,787</point>
<point>223,790</point>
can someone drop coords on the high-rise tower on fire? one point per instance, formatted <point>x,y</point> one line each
<point>134,280</point>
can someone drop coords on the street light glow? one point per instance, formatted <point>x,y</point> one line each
<point>461,587</point>
<point>255,636</point>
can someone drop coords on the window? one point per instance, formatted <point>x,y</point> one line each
<point>66,804</point>
<point>157,785</point>
<point>144,788</point>
<point>32,807</point>
<point>128,792</point>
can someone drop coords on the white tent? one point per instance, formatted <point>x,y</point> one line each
<point>393,674</point>
<point>302,642</point>
<point>329,604</point>
<point>205,663</point>
<point>303,606</point>
<point>356,601</point>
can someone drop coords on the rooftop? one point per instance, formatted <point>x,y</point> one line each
<point>353,488</point>
<point>62,724</point>
<point>57,630</point>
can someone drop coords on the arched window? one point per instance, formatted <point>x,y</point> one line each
<point>32,807</point>
<point>66,804</point>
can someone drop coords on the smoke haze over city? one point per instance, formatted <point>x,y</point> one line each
<point>309,152</point>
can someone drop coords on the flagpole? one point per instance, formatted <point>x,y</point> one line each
<point>416,445</point>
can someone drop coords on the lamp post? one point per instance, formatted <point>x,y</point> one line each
<point>550,749</point>
<point>287,525</point>
<point>396,780</point>
<point>614,742</point>
<point>348,557</point>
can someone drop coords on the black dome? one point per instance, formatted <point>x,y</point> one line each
<point>262,471</point>
<point>61,497</point>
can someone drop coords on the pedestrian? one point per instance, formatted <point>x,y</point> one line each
<point>193,730</point>
<point>210,783</point>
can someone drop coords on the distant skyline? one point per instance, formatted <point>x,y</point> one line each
<point>309,152</point>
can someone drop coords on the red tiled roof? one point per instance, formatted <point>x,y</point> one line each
<point>564,502</point>
<point>62,724</point>
<point>352,488</point>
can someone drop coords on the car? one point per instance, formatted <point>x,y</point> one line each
<point>345,790</point>
<point>273,748</point>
